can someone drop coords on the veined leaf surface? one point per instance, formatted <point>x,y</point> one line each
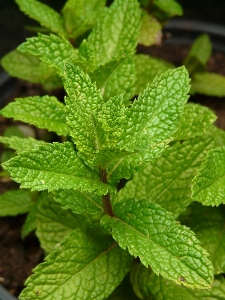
<point>150,233</point>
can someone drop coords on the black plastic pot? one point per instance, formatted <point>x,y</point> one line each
<point>5,295</point>
<point>184,31</point>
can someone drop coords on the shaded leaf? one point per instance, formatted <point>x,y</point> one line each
<point>209,224</point>
<point>15,202</point>
<point>148,286</point>
<point>209,183</point>
<point>89,265</point>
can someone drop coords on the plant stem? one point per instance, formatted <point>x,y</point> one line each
<point>106,198</point>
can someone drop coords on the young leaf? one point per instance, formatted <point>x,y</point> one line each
<point>208,223</point>
<point>78,201</point>
<point>54,223</point>
<point>199,119</point>
<point>51,49</point>
<point>116,77</point>
<point>209,184</point>
<point>150,232</point>
<point>80,16</point>
<point>53,167</point>
<point>83,102</point>
<point>148,285</point>
<point>147,68</point>
<point>44,112</point>
<point>85,265</point>
<point>14,202</point>
<point>167,180</point>
<point>21,144</point>
<point>154,116</point>
<point>150,32</point>
<point>42,13</point>
<point>33,69</point>
<point>199,54</point>
<point>210,84</point>
<point>116,31</point>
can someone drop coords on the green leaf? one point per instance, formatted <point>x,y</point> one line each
<point>51,49</point>
<point>150,32</point>
<point>79,201</point>
<point>171,7</point>
<point>116,77</point>
<point>209,184</point>
<point>199,120</point>
<point>116,31</point>
<point>30,221</point>
<point>167,180</point>
<point>54,223</point>
<point>199,54</point>
<point>44,112</point>
<point>148,286</point>
<point>53,167</point>
<point>83,103</point>
<point>154,116</point>
<point>147,69</point>
<point>208,223</point>
<point>30,68</point>
<point>42,13</point>
<point>15,202</point>
<point>150,232</point>
<point>80,16</point>
<point>21,144</point>
<point>210,84</point>
<point>85,265</point>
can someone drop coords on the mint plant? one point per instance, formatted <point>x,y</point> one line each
<point>103,241</point>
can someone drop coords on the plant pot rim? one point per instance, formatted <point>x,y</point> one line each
<point>184,31</point>
<point>5,295</point>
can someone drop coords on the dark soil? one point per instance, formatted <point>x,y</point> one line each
<point>19,257</point>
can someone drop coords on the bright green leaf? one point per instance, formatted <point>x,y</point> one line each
<point>79,201</point>
<point>51,49</point>
<point>53,167</point>
<point>14,202</point>
<point>209,184</point>
<point>83,103</point>
<point>116,31</point>
<point>42,13</point>
<point>208,223</point>
<point>85,265</point>
<point>150,232</point>
<point>199,119</point>
<point>210,84</point>
<point>154,116</point>
<point>148,286</point>
<point>44,112</point>
<point>21,144</point>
